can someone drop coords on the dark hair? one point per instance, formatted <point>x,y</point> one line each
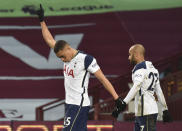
<point>60,44</point>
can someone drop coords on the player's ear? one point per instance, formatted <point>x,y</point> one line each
<point>69,48</point>
<point>136,54</point>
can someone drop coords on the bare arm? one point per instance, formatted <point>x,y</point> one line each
<point>47,35</point>
<point>100,76</point>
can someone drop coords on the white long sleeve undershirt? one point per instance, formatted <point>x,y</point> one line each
<point>132,92</point>
<point>160,97</point>
<point>136,88</point>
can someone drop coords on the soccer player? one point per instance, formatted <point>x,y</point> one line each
<point>77,69</point>
<point>145,79</point>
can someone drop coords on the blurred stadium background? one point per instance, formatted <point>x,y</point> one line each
<point>31,78</point>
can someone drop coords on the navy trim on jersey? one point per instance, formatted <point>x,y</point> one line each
<point>88,61</point>
<point>83,88</point>
<point>139,66</point>
<point>142,105</point>
<point>142,99</point>
<point>84,78</point>
<point>140,92</point>
<point>82,97</point>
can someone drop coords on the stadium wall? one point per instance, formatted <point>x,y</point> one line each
<point>29,67</point>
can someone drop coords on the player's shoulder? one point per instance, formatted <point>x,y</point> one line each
<point>87,58</point>
<point>150,66</point>
<point>84,55</point>
<point>143,66</point>
<point>139,67</point>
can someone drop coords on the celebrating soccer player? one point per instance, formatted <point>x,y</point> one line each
<point>77,69</point>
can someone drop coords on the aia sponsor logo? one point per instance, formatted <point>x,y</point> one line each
<point>68,71</point>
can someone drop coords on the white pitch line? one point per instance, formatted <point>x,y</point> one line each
<point>42,77</point>
<point>15,27</point>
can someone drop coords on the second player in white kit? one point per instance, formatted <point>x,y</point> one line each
<point>146,81</point>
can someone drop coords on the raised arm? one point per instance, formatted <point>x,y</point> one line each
<point>47,35</point>
<point>45,31</point>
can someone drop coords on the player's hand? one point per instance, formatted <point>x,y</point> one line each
<point>120,106</point>
<point>166,116</point>
<point>115,112</point>
<point>40,13</point>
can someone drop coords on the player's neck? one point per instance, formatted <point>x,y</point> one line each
<point>75,52</point>
<point>140,60</point>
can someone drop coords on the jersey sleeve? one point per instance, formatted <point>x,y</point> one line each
<point>138,78</point>
<point>91,64</point>
<point>139,75</point>
<point>133,91</point>
<point>160,96</point>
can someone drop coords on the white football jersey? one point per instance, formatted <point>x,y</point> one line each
<point>76,78</point>
<point>147,76</point>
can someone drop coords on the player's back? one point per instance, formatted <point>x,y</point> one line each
<point>145,102</point>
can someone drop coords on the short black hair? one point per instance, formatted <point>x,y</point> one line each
<point>60,44</point>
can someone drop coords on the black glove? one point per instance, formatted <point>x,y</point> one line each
<point>115,112</point>
<point>40,13</point>
<point>166,116</point>
<point>120,106</point>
